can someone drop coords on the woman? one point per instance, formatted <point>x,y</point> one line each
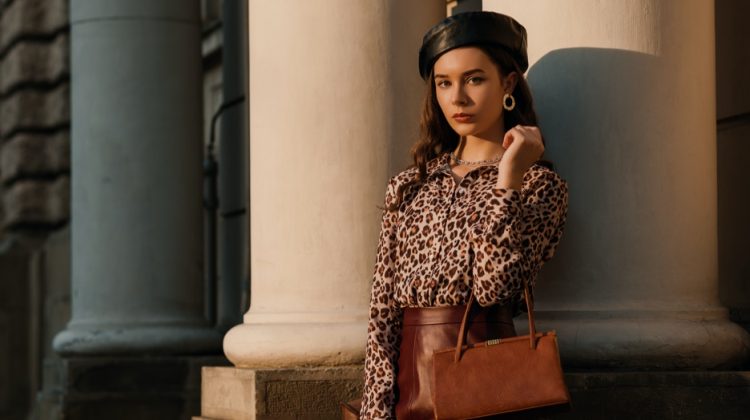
<point>478,212</point>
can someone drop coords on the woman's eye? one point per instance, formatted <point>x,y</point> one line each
<point>442,83</point>
<point>475,80</point>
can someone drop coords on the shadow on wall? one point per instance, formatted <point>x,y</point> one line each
<point>734,225</point>
<point>620,151</point>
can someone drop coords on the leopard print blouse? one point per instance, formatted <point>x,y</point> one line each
<point>443,243</point>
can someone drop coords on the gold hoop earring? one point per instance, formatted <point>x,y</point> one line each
<point>506,105</point>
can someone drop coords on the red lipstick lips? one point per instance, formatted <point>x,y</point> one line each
<point>461,117</point>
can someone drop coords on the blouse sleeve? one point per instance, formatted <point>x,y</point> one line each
<point>384,326</point>
<point>517,232</point>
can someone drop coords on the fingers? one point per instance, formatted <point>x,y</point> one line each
<point>519,132</point>
<point>528,134</point>
<point>508,138</point>
<point>527,130</point>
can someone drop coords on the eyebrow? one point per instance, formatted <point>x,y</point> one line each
<point>466,73</point>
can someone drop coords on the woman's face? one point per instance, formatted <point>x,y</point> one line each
<point>468,82</point>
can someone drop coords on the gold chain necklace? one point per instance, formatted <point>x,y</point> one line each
<point>475,162</point>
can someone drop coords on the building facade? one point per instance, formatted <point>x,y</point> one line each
<point>168,166</point>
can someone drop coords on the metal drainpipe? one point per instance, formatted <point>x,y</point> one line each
<point>227,189</point>
<point>211,204</point>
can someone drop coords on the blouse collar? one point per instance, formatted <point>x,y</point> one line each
<point>438,163</point>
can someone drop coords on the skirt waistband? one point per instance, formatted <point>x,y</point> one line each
<point>502,314</point>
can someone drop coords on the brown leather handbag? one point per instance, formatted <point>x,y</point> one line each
<point>423,331</point>
<point>499,376</point>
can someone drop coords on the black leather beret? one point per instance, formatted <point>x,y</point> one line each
<point>473,28</point>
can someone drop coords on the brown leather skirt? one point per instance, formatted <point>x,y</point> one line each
<point>428,329</point>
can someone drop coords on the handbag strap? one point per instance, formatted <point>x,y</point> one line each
<point>530,313</point>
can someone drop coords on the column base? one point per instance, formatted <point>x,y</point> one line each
<point>229,393</point>
<point>658,395</point>
<point>647,340</point>
<point>279,344</point>
<point>95,388</point>
<point>128,340</point>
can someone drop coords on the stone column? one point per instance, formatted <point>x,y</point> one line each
<point>334,107</point>
<point>136,190</point>
<point>626,97</point>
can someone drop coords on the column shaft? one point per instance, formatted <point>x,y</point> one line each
<point>626,97</point>
<point>136,191</point>
<point>334,107</point>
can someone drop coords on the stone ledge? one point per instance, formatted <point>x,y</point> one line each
<point>309,393</point>
<point>651,340</point>
<point>35,109</point>
<point>35,62</point>
<point>37,202</point>
<point>143,388</point>
<point>27,154</point>
<point>659,395</point>
<point>31,17</point>
<point>230,393</point>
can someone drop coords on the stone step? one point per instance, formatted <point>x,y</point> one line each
<point>230,393</point>
<point>120,387</point>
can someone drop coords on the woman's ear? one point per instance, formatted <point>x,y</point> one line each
<point>509,82</point>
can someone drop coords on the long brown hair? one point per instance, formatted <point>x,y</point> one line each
<point>437,136</point>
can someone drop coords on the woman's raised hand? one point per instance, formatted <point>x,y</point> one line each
<point>523,146</point>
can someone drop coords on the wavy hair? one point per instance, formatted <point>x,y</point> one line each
<point>436,134</point>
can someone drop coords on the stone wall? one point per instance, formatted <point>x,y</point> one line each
<point>34,116</point>
<point>15,363</point>
<point>34,190</point>
<point>733,146</point>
